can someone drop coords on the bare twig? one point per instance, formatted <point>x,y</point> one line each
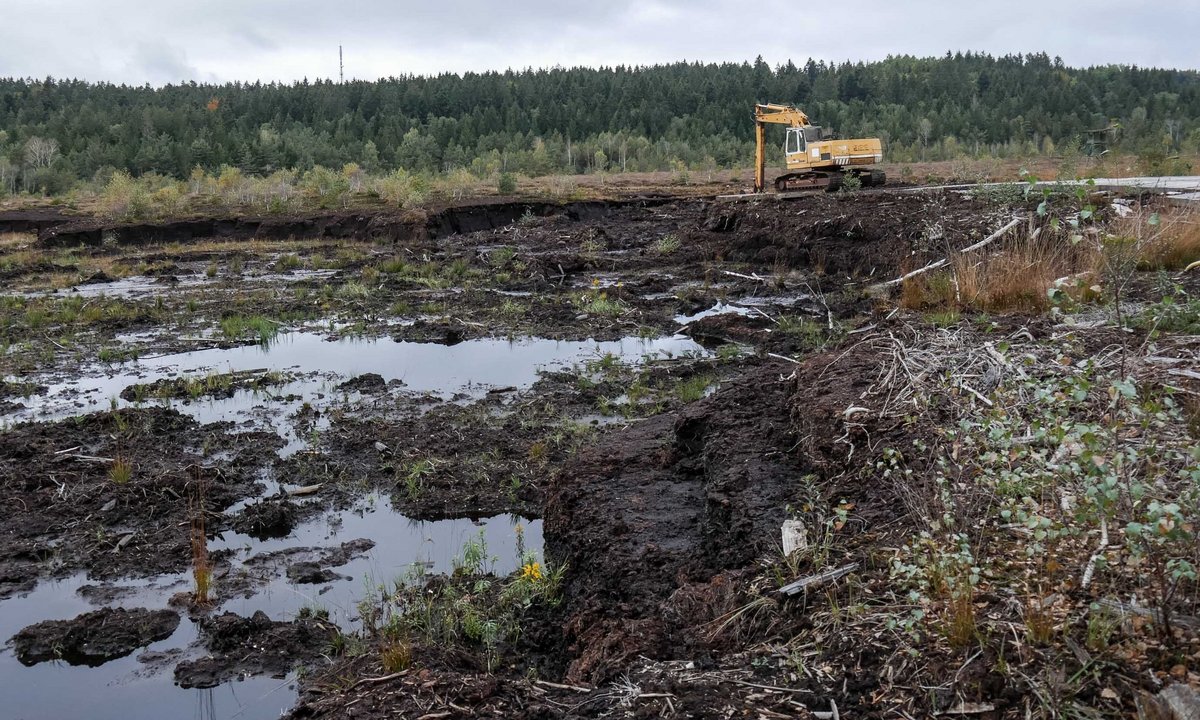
<point>753,276</point>
<point>561,686</point>
<point>376,680</point>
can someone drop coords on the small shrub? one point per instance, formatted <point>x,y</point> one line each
<point>507,184</point>
<point>401,188</point>
<point>124,198</point>
<point>329,187</point>
<point>1175,314</point>
<point>458,183</point>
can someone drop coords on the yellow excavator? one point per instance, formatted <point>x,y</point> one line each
<point>813,160</point>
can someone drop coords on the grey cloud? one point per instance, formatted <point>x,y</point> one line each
<point>160,63</point>
<point>137,41</point>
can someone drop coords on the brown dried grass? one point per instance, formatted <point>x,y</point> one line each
<point>1016,277</point>
<point>201,565</point>
<point>1173,244</point>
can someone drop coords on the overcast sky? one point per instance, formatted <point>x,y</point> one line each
<point>165,41</point>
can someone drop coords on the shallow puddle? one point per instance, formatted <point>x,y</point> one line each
<point>126,688</point>
<point>136,286</point>
<point>719,309</point>
<point>404,548</point>
<point>130,689</point>
<point>313,368</point>
<point>468,369</point>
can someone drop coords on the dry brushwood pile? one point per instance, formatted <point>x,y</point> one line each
<point>1030,499</point>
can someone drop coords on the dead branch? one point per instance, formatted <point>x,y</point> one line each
<point>818,579</point>
<point>752,276</point>
<point>970,248</point>
<point>560,686</point>
<point>1123,608</point>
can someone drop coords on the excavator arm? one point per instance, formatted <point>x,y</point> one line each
<point>776,114</point>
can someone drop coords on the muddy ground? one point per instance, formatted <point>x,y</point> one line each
<point>661,382</point>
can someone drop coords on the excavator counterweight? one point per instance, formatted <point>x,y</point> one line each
<point>813,160</point>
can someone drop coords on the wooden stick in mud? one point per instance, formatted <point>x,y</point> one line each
<point>753,276</point>
<point>376,680</point>
<point>940,263</point>
<point>561,686</point>
<point>1123,608</point>
<point>819,578</point>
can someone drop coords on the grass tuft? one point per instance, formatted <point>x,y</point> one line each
<point>121,471</point>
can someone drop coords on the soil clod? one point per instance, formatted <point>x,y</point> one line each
<point>256,645</point>
<point>93,638</point>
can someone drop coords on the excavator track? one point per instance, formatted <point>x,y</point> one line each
<point>827,181</point>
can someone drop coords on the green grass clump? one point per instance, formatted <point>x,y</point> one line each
<point>238,327</point>
<point>288,262</point>
<point>116,355</point>
<point>600,304</point>
<point>693,388</point>
<point>393,266</point>
<point>354,290</point>
<point>667,244</point>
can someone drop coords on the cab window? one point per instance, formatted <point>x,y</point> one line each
<point>795,141</point>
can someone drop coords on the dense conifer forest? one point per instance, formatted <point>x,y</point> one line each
<point>56,133</point>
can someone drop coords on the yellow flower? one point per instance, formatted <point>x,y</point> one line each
<point>531,572</point>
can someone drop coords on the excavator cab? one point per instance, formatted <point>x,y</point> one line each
<point>795,144</point>
<point>798,138</point>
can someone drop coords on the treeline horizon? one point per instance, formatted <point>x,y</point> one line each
<point>56,134</point>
